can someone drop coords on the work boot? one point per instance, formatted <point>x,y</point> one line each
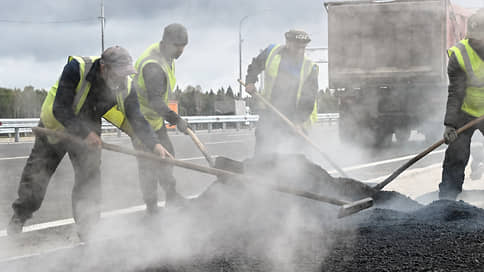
<point>152,208</point>
<point>15,225</point>
<point>448,195</point>
<point>476,172</point>
<point>175,200</point>
<point>84,232</point>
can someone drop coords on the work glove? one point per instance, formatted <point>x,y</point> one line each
<point>93,140</point>
<point>160,150</point>
<point>450,134</point>
<point>182,125</point>
<point>250,88</point>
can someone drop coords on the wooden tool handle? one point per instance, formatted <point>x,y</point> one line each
<point>295,129</point>
<point>192,166</point>
<point>404,167</point>
<point>201,147</point>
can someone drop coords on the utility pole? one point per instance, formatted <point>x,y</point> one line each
<point>102,19</point>
<point>240,52</point>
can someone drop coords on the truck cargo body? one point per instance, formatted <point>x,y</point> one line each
<point>387,62</point>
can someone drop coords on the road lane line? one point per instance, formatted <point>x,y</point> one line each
<point>69,221</point>
<point>13,158</point>
<point>367,165</point>
<point>225,142</point>
<point>26,157</point>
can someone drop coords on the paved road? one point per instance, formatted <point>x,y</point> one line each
<point>119,172</point>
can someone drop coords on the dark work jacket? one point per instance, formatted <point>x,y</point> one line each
<point>457,86</point>
<point>155,82</point>
<point>99,100</point>
<point>284,91</point>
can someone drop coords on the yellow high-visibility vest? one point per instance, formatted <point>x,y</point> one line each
<point>153,55</point>
<point>115,115</point>
<point>473,65</point>
<point>271,72</point>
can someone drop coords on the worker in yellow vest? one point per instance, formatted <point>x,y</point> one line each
<point>291,85</point>
<point>88,89</point>
<point>465,103</point>
<point>154,80</point>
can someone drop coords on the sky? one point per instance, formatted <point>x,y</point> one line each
<point>38,36</point>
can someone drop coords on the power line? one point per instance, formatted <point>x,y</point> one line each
<point>25,22</point>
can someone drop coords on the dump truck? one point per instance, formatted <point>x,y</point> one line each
<point>387,64</point>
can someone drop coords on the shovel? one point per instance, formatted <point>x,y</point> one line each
<point>419,156</point>
<point>347,208</point>
<point>220,162</point>
<point>295,129</point>
<point>201,147</point>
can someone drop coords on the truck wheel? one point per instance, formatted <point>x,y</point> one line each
<point>402,135</point>
<point>382,139</point>
<point>346,130</point>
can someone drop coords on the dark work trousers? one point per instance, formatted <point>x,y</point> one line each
<point>151,172</point>
<point>456,159</point>
<point>42,163</point>
<point>272,135</point>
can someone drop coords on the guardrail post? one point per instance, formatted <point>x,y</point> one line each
<point>224,126</point>
<point>237,126</point>
<point>209,128</point>
<point>17,134</point>
<point>118,132</point>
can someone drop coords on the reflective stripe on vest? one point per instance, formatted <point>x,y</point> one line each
<point>270,76</point>
<point>47,114</point>
<point>473,65</point>
<point>82,90</point>
<point>117,114</point>
<point>153,55</point>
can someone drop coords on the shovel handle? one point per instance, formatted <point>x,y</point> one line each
<point>295,129</point>
<point>404,167</point>
<point>201,147</point>
<point>212,171</point>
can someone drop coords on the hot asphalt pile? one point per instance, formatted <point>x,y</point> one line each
<point>442,236</point>
<point>236,227</point>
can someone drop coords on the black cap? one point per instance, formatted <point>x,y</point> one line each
<point>175,33</point>
<point>297,36</point>
<point>475,25</point>
<point>118,59</point>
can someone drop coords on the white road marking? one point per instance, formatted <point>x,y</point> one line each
<point>224,142</point>
<point>26,157</point>
<point>366,165</point>
<point>69,221</point>
<point>14,158</point>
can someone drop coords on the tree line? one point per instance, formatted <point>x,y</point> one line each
<point>193,100</point>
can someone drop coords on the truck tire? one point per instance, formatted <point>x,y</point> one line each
<point>402,135</point>
<point>346,130</point>
<point>382,138</point>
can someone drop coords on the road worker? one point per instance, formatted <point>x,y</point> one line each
<point>88,89</point>
<point>465,103</point>
<point>291,85</point>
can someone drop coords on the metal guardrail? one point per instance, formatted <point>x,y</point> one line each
<point>23,125</point>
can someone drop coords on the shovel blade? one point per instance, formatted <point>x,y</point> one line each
<point>354,207</point>
<point>228,164</point>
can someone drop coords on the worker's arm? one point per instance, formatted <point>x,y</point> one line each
<point>457,87</point>
<point>64,99</point>
<point>257,65</point>
<point>155,82</point>
<point>308,96</point>
<point>141,127</point>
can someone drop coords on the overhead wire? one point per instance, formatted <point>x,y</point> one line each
<point>9,21</point>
